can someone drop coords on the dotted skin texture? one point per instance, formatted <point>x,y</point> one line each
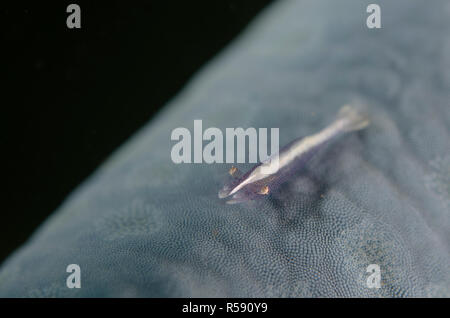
<point>144,226</point>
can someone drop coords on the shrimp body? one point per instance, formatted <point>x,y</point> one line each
<point>265,176</point>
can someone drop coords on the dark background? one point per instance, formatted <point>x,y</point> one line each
<point>72,96</point>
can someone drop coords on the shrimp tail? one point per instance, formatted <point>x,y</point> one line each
<point>354,117</point>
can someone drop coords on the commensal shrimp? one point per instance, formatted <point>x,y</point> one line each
<point>266,176</point>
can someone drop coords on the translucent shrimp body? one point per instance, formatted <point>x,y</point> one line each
<point>259,180</point>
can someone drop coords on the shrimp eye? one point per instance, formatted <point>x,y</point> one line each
<point>264,190</point>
